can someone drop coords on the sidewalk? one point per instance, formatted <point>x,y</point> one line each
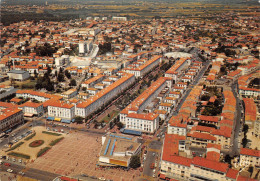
<point>4,176</point>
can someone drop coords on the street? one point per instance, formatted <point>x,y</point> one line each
<point>236,146</point>
<point>31,173</point>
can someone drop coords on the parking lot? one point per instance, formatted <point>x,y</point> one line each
<point>77,154</point>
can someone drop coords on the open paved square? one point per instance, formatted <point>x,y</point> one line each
<point>78,154</point>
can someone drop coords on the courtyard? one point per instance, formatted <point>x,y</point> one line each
<point>78,154</point>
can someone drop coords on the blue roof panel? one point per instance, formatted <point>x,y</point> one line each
<point>132,132</point>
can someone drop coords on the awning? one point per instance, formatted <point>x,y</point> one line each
<point>162,176</point>
<point>9,130</point>
<point>57,119</point>
<point>50,118</point>
<point>132,132</point>
<point>173,179</point>
<point>65,121</point>
<point>28,115</point>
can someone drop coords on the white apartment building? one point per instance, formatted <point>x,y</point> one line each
<point>69,93</point>
<point>248,92</point>
<point>93,103</point>
<point>60,109</point>
<point>205,169</point>
<point>146,67</point>
<point>197,168</point>
<point>250,157</point>
<point>141,102</point>
<point>39,96</point>
<point>142,122</point>
<point>10,117</point>
<point>6,91</point>
<point>175,70</point>
<point>30,109</point>
<point>177,126</point>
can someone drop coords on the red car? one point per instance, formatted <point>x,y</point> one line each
<point>7,164</point>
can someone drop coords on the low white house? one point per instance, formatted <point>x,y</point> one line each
<point>31,108</point>
<point>19,75</point>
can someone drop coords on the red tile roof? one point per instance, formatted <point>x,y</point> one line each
<point>214,156</point>
<point>148,116</point>
<point>242,178</point>
<point>171,144</point>
<point>5,113</point>
<point>250,152</point>
<point>214,165</point>
<point>204,136</point>
<point>134,106</point>
<point>209,118</point>
<point>177,159</point>
<point>250,109</point>
<point>105,91</point>
<point>211,145</point>
<point>232,173</point>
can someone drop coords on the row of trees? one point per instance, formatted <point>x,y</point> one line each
<point>45,82</point>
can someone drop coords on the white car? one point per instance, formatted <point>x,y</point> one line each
<point>21,173</point>
<point>9,170</point>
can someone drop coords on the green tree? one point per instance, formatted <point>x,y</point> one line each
<point>67,74</point>
<point>48,70</point>
<point>245,128</point>
<point>111,125</point>
<point>60,77</point>
<point>35,74</point>
<point>228,159</point>
<point>244,141</point>
<point>79,120</point>
<point>135,162</point>
<point>73,82</point>
<point>250,170</point>
<point>120,125</point>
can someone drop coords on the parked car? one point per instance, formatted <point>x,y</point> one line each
<point>7,164</point>
<point>21,173</point>
<point>9,170</point>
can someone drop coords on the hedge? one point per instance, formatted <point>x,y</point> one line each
<point>51,133</point>
<point>42,151</point>
<point>30,137</point>
<point>54,142</point>
<point>19,155</point>
<point>16,146</point>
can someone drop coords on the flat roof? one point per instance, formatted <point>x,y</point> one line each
<point>116,143</point>
<point>17,71</point>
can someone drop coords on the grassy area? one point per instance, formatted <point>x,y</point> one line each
<point>112,114</point>
<point>54,142</point>
<point>42,151</point>
<point>51,133</point>
<point>16,146</point>
<point>19,155</point>
<point>30,137</point>
<point>28,85</point>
